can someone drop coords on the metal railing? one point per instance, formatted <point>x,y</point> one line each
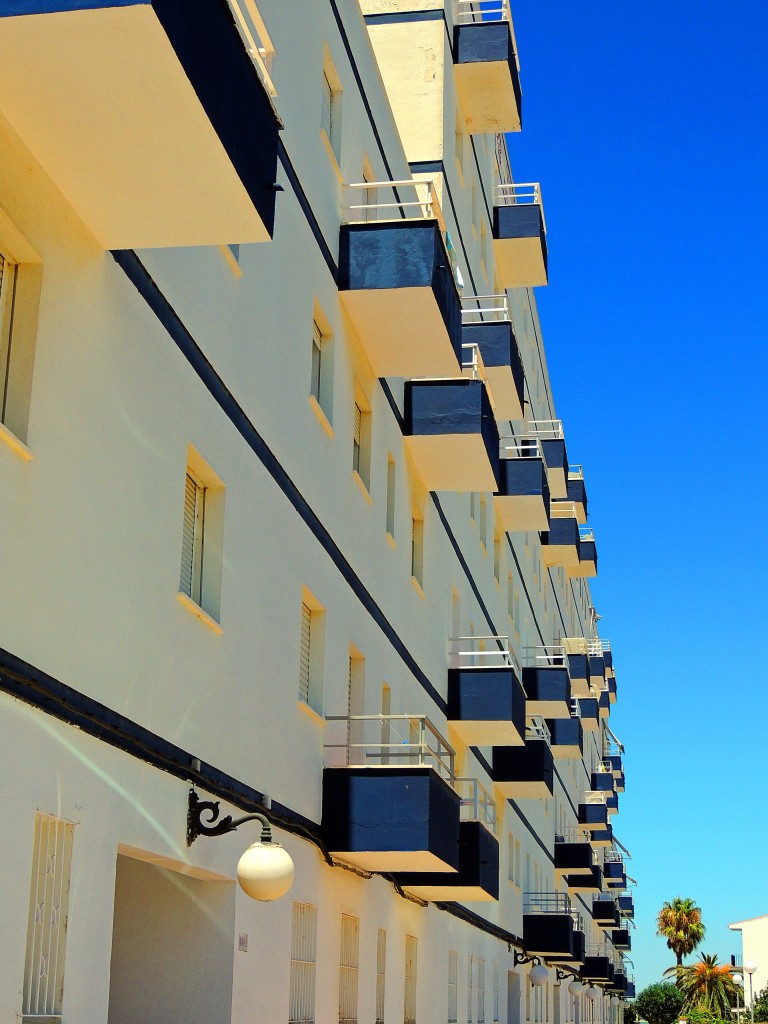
<point>587,533</point>
<point>419,201</point>
<point>503,168</point>
<point>613,857</point>
<point>575,472</point>
<point>472,360</point>
<point>477,804</point>
<point>594,647</point>
<point>574,644</point>
<point>472,11</point>
<point>537,729</point>
<point>256,39</point>
<point>518,193</point>
<point>606,645</point>
<point>546,656</point>
<point>464,654</point>
<point>520,448</point>
<point>547,430</point>
<point>546,903</point>
<point>562,510</point>
<point>573,834</point>
<point>597,948</point>
<point>395,741</point>
<point>483,308</point>
<point>595,796</point>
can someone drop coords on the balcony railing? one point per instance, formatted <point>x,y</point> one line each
<point>546,430</point>
<point>572,835</point>
<point>256,39</point>
<point>613,857</point>
<point>546,656</point>
<point>575,472</point>
<point>470,11</point>
<point>395,741</point>
<point>464,653</point>
<point>520,448</point>
<point>519,194</point>
<point>484,308</point>
<point>472,360</point>
<point>536,729</point>
<point>586,533</point>
<point>563,510</point>
<point>419,201</point>
<point>546,903</point>
<point>477,804</point>
<point>594,646</point>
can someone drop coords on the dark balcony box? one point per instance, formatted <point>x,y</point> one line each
<point>503,366</point>
<point>486,706</point>
<point>620,783</point>
<point>560,544</point>
<point>615,875</point>
<point>587,564</point>
<point>578,669</point>
<point>621,938</point>
<point>548,690</point>
<point>577,493</point>
<point>614,760</point>
<point>592,882</point>
<point>626,906</point>
<point>522,501</point>
<point>629,991</point>
<point>605,912</point>
<point>150,117</point>
<point>567,737</point>
<point>549,935</point>
<point>556,459</point>
<point>524,772</point>
<point>601,782</point>
<point>597,968</point>
<point>476,881</point>
<point>520,247</point>
<point>576,959</point>
<point>597,668</point>
<point>451,434</point>
<point>487,78</point>
<point>608,658</point>
<point>611,686</point>
<point>604,706</point>
<point>396,283</point>
<point>619,983</point>
<point>612,803</point>
<point>602,837</point>
<point>391,819</point>
<point>576,858</point>
<point>593,816</point>
<point>590,717</point>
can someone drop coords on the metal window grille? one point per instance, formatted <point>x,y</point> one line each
<point>317,357</point>
<point>326,113</point>
<point>349,969</point>
<point>481,992</point>
<point>357,438</point>
<point>191,576</point>
<point>304,652</point>
<point>303,963</point>
<point>381,973</point>
<point>470,977</point>
<point>391,497</point>
<point>47,925</point>
<point>409,1007</point>
<point>453,986</point>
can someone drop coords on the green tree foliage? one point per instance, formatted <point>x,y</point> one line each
<point>760,1007</point>
<point>660,1003</point>
<point>630,1014</point>
<point>706,985</point>
<point>679,922</point>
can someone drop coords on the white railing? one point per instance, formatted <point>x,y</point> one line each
<point>548,655</point>
<point>575,472</point>
<point>613,857</point>
<point>394,741</point>
<point>471,360</point>
<point>595,796</point>
<point>603,768</point>
<point>482,308</point>
<point>503,168</point>
<point>520,448</point>
<point>477,804</point>
<point>256,39</point>
<point>574,644</point>
<point>464,654</point>
<point>537,729</point>
<point>562,510</point>
<point>546,903</point>
<point>409,199</point>
<point>596,948</point>
<point>594,646</point>
<point>546,430</point>
<point>471,11</point>
<point>573,834</point>
<point>587,533</point>
<point>606,644</point>
<point>519,194</point>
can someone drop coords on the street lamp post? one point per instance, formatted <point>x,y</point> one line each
<point>738,981</point>
<point>750,969</point>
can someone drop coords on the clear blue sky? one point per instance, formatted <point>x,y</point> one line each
<point>647,125</point>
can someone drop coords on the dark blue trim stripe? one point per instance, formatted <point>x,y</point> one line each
<point>301,196</point>
<point>399,18</point>
<point>138,275</point>
<point>16,8</point>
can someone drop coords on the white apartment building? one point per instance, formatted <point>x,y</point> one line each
<point>287,521</point>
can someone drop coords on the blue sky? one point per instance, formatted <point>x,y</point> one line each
<point>646,125</point>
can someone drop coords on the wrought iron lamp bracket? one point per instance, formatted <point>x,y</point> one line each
<point>197,809</point>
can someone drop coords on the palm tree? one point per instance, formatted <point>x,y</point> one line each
<point>679,922</point>
<point>706,985</point>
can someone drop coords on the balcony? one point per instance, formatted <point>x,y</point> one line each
<point>522,500</point>
<point>619,981</point>
<point>590,714</point>
<point>614,871</point>
<point>601,838</point>
<point>578,664</point>
<point>604,704</point>
<point>597,964</point>
<point>574,855</point>
<point>591,883</point>
<point>486,700</point>
<point>560,544</point>
<point>162,131</point>
<point>586,567</point>
<point>487,327</point>
<point>450,434</point>
<point>608,658</point>
<point>605,912</point>
<point>390,801</point>
<point>550,435</point>
<point>615,761</point>
<point>477,879</point>
<point>567,737</point>
<point>612,803</point>
<point>524,772</point>
<point>601,779</point>
<point>548,925</point>
<point>610,683</point>
<point>396,279</point>
<point>485,66</point>
<point>577,492</point>
<point>621,938</point>
<point>626,905</point>
<point>630,992</point>
<point>519,236</point>
<point>593,814</point>
<point>546,683</point>
<point>620,782</point>
<point>596,662</point>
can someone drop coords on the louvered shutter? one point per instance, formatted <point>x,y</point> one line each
<point>303,963</point>
<point>349,969</point>
<point>186,581</point>
<point>381,969</point>
<point>306,637</point>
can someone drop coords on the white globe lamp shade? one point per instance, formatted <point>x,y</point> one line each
<point>750,967</point>
<point>575,988</point>
<point>539,975</point>
<point>593,993</point>
<point>265,871</point>
<point>738,980</point>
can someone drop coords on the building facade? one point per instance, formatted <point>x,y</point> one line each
<point>753,954</point>
<point>287,520</point>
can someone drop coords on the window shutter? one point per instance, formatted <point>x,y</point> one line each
<point>349,965</point>
<point>186,580</point>
<point>306,636</point>
<point>411,947</point>
<point>453,986</point>
<point>303,963</point>
<point>381,967</point>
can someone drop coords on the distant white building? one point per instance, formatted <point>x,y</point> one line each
<point>754,945</point>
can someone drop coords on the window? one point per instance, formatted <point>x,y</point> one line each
<point>361,438</point>
<point>417,550</point>
<point>303,963</point>
<point>311,652</point>
<point>481,992</point>
<point>473,507</point>
<point>470,978</point>
<point>496,557</point>
<point>453,986</point>
<point>409,1007</point>
<point>330,112</point>
<point>496,992</point>
<point>321,375</point>
<point>483,521</point>
<point>202,538</point>
<point>381,973</point>
<point>391,481</point>
<point>43,988</point>
<point>349,969</point>
<point>20,279</point>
